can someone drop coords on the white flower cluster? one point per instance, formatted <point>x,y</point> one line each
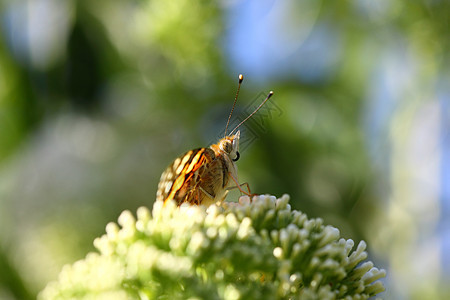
<point>257,250</point>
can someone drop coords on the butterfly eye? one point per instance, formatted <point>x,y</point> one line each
<point>226,146</point>
<point>237,156</point>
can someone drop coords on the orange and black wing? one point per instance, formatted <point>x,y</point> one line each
<point>181,180</point>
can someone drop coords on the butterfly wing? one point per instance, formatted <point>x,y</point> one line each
<point>191,178</point>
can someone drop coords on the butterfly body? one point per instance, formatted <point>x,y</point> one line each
<point>203,175</point>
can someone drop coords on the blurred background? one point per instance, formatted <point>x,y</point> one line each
<point>98,97</point>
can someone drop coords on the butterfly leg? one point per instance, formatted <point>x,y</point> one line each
<point>248,187</point>
<point>198,197</point>
<point>239,187</point>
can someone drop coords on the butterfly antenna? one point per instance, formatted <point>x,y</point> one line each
<point>241,77</point>
<point>254,112</point>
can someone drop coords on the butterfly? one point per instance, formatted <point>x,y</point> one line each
<point>203,176</point>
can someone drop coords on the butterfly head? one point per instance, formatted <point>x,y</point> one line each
<point>229,145</point>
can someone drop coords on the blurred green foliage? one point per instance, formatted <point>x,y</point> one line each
<point>100,99</point>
